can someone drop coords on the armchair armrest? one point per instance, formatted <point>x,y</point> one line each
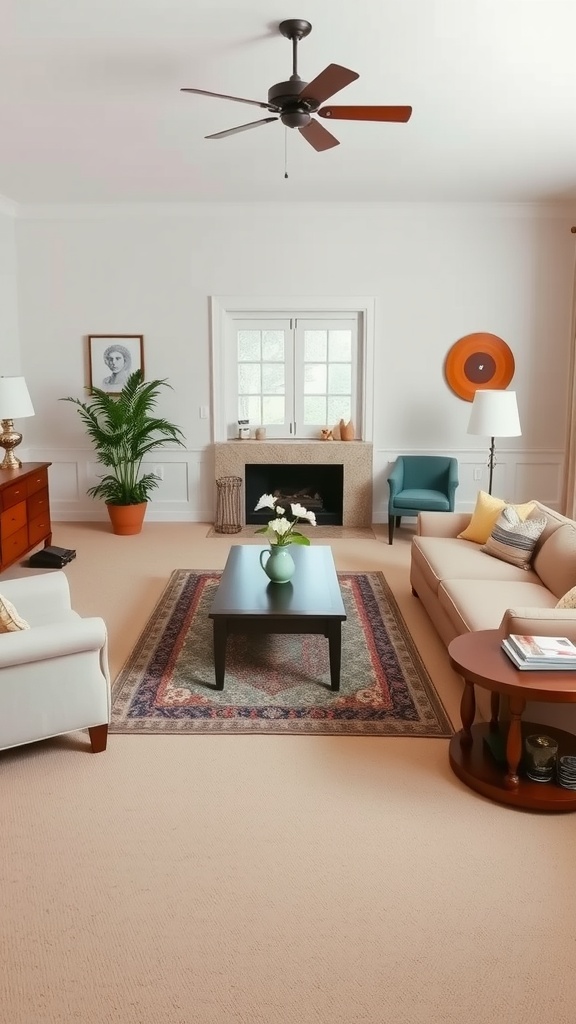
<point>442,524</point>
<point>453,481</point>
<point>52,641</point>
<point>31,594</point>
<point>396,478</point>
<point>540,622</point>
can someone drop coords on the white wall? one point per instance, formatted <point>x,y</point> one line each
<point>437,273</point>
<point>9,335</point>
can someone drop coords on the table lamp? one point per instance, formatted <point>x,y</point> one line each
<point>494,413</point>
<point>15,403</point>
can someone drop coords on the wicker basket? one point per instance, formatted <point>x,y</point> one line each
<point>228,509</point>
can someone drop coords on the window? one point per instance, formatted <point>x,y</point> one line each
<point>294,375</point>
<point>293,369</point>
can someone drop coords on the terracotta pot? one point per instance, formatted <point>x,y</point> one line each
<point>346,431</point>
<point>127,519</point>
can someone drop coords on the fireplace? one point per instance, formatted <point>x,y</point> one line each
<point>354,458</point>
<point>319,488</point>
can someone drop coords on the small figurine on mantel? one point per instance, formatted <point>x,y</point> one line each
<point>326,434</point>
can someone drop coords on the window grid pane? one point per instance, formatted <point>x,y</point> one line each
<point>273,410</point>
<point>249,346</point>
<point>315,378</point>
<point>314,410</point>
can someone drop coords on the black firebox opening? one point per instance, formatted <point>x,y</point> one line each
<point>319,488</point>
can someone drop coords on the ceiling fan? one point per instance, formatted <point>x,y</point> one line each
<point>296,101</point>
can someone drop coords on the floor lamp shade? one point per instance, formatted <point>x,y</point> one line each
<point>15,403</point>
<point>494,414</point>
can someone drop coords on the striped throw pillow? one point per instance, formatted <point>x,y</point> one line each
<point>513,540</point>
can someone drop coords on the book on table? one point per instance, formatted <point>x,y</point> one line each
<point>534,648</point>
<point>553,652</point>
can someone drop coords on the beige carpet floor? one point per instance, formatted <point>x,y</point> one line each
<point>270,879</point>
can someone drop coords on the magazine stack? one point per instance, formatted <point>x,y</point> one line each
<point>544,653</point>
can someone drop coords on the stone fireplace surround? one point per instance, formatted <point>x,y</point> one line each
<point>230,458</point>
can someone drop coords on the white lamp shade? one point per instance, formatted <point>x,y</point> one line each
<point>15,402</point>
<point>494,414</point>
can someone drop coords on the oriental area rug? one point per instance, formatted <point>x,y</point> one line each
<point>277,683</point>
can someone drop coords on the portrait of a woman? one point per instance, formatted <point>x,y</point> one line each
<point>113,358</point>
<point>119,362</point>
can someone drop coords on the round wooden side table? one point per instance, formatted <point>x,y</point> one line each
<point>487,756</point>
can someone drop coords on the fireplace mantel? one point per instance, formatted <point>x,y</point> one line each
<point>230,458</point>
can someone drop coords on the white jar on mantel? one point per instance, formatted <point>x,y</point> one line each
<point>244,430</point>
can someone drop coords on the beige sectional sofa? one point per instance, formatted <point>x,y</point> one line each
<point>464,588</point>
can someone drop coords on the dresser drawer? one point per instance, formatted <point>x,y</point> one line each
<point>37,481</point>
<point>24,511</point>
<point>12,520</point>
<point>38,504</point>
<point>38,529</point>
<point>12,494</point>
<point>13,546</point>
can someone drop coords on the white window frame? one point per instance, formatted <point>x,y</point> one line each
<point>223,308</point>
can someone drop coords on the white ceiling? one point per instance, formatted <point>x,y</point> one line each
<point>91,108</point>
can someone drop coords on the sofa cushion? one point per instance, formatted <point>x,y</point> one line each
<point>10,620</point>
<point>512,540</point>
<point>442,558</point>
<point>555,562</point>
<point>482,603</point>
<point>485,514</point>
<point>569,599</point>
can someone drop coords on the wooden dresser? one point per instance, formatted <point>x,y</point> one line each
<point>24,511</point>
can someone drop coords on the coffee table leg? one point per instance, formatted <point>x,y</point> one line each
<point>220,635</point>
<point>335,649</point>
<point>514,742</point>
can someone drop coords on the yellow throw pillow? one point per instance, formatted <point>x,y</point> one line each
<point>485,514</point>
<point>569,599</point>
<point>10,621</point>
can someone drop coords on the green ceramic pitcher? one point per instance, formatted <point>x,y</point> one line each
<point>277,563</point>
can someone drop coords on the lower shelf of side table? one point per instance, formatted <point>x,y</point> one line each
<point>477,767</point>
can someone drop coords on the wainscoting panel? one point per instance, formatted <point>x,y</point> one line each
<point>187,491</point>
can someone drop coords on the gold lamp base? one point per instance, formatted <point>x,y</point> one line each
<point>9,439</point>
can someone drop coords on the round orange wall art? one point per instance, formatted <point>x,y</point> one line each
<point>478,361</point>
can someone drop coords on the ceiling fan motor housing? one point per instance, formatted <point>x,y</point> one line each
<point>294,113</point>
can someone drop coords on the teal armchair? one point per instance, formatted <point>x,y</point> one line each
<point>421,483</point>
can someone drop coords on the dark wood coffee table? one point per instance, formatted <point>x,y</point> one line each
<point>479,658</point>
<point>247,602</point>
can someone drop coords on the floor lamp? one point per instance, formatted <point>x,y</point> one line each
<point>495,414</point>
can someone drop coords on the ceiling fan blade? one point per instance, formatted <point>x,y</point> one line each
<point>243,128</point>
<point>237,99</point>
<point>328,82</point>
<point>367,113</point>
<point>316,134</point>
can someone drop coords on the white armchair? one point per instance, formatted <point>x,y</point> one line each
<point>54,676</point>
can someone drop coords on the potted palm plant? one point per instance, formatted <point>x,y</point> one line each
<point>123,430</point>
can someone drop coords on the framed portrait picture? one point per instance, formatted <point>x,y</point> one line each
<point>112,358</point>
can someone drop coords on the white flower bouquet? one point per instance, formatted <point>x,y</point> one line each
<point>281,530</point>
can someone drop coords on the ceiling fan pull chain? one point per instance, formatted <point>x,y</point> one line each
<point>285,152</point>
